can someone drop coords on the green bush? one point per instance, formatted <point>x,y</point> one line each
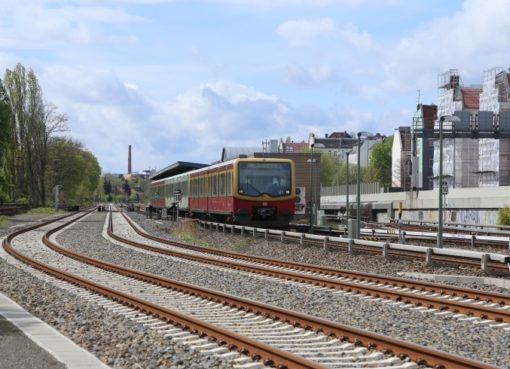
<point>4,219</point>
<point>42,211</point>
<point>504,215</point>
<point>22,201</point>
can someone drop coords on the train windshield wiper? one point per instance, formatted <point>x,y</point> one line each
<point>255,188</point>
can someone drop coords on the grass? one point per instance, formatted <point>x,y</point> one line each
<point>42,211</point>
<point>4,219</point>
<point>187,230</point>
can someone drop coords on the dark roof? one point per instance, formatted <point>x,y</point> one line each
<point>176,168</point>
<point>335,143</point>
<point>343,134</point>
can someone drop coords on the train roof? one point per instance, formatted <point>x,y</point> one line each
<point>176,168</point>
<point>174,171</point>
<point>230,162</point>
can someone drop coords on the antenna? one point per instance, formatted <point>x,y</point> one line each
<point>419,96</point>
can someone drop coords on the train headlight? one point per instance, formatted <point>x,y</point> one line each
<point>287,192</point>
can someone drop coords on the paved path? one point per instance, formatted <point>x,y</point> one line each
<point>28,342</point>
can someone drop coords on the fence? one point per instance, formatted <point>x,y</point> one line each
<point>365,188</point>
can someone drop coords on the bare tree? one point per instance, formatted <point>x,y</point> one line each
<point>33,122</point>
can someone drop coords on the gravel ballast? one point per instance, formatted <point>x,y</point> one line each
<point>447,334</point>
<point>117,341</point>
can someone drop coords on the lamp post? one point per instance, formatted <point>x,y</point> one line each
<point>358,199</point>
<point>442,119</point>
<point>347,191</point>
<point>312,144</point>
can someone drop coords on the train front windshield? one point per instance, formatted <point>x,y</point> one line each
<point>273,179</point>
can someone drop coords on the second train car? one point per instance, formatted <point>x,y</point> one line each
<point>247,191</point>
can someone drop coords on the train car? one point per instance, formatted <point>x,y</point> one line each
<point>170,194</point>
<point>247,191</point>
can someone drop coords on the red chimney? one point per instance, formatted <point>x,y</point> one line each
<point>129,160</point>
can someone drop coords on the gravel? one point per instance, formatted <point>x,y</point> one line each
<point>313,254</point>
<point>466,339</point>
<point>117,341</point>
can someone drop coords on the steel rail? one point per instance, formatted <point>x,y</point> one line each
<point>419,354</point>
<point>245,345</point>
<point>500,298</point>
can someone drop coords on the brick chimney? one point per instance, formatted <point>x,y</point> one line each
<point>129,160</point>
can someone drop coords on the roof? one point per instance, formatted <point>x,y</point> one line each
<point>229,153</point>
<point>335,143</point>
<point>343,134</point>
<point>176,168</point>
<point>471,97</point>
<point>293,146</point>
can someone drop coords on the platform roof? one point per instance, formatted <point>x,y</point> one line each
<point>176,168</point>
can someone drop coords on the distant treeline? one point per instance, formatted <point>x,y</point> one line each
<point>34,155</point>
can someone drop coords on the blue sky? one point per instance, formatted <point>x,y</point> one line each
<point>179,80</point>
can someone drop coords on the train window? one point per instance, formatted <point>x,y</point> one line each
<point>221,184</point>
<point>228,186</point>
<point>273,179</point>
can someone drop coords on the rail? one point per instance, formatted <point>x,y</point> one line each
<point>488,262</point>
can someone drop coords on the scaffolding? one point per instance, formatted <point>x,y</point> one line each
<point>494,153</point>
<point>460,156</point>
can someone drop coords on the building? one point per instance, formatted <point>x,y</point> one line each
<point>367,141</point>
<point>494,163</point>
<point>422,149</point>
<point>290,146</point>
<point>336,144</point>
<point>460,155</point>
<point>401,158</point>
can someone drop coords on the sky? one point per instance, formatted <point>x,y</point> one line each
<point>181,79</point>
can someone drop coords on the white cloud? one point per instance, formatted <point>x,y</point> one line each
<point>473,39</point>
<point>309,76</point>
<point>269,4</point>
<point>107,115</point>
<point>41,24</point>
<point>303,32</point>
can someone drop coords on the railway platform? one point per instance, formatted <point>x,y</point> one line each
<point>28,342</point>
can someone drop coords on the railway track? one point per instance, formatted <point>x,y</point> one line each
<point>465,302</point>
<point>333,346</point>
<point>459,238</point>
<point>494,263</point>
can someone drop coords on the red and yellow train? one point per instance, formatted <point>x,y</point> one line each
<point>247,191</point>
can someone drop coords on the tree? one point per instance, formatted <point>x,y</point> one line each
<point>379,166</point>
<point>73,167</point>
<point>107,186</point>
<point>126,188</point>
<point>32,124</point>
<point>6,147</point>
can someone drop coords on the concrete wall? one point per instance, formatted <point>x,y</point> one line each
<point>462,205</point>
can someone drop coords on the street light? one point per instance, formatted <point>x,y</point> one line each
<point>358,199</point>
<point>312,144</point>
<point>447,118</point>
<point>347,192</point>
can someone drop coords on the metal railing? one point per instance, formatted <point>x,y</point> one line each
<point>365,188</point>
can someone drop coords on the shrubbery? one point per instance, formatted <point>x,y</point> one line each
<point>504,215</point>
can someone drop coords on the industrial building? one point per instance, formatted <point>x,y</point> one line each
<point>460,155</point>
<point>494,163</point>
